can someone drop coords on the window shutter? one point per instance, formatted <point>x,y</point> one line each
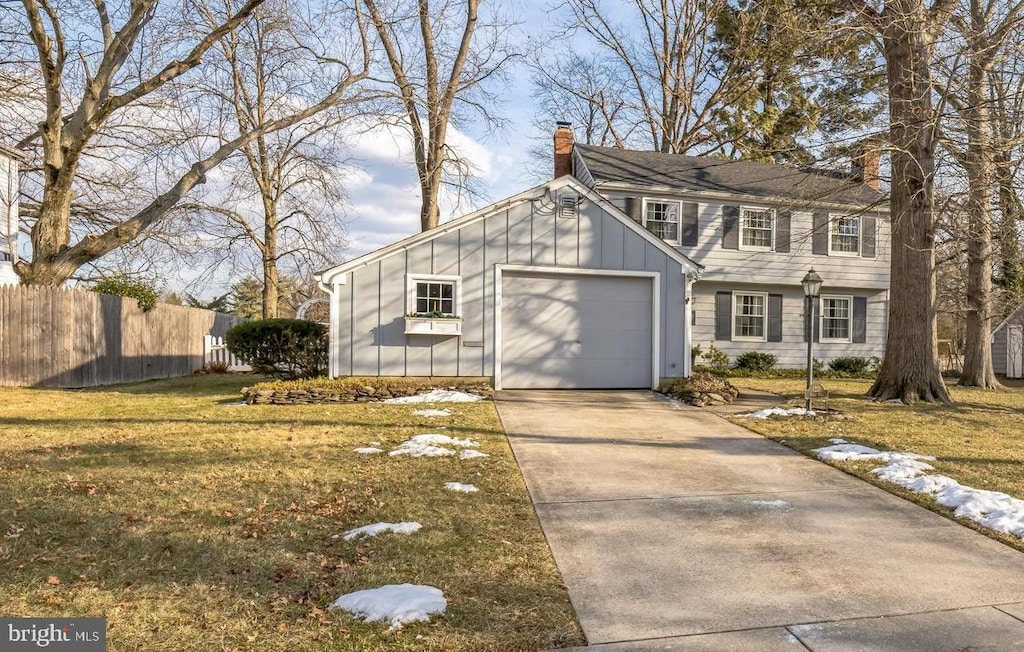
<point>723,316</point>
<point>869,232</point>
<point>688,225</point>
<point>783,221</point>
<point>860,320</point>
<point>730,227</point>
<point>819,237</point>
<point>774,317</point>
<point>634,208</point>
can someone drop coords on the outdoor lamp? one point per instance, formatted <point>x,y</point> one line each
<point>812,288</point>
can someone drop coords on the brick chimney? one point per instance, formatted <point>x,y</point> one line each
<point>864,164</point>
<point>563,149</point>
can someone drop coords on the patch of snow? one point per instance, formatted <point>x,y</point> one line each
<point>837,440</point>
<point>431,445</point>
<point>379,528</point>
<point>458,486</point>
<point>374,443</point>
<point>895,401</point>
<point>437,396</point>
<point>398,604</point>
<point>432,413</point>
<point>443,440</point>
<point>471,455</point>
<point>778,412</point>
<point>993,509</point>
<point>367,450</point>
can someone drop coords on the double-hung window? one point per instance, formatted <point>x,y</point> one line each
<point>836,319</point>
<point>749,316</point>
<point>844,236</point>
<point>757,228</point>
<point>661,217</point>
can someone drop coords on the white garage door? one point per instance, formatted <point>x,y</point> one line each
<point>576,332</point>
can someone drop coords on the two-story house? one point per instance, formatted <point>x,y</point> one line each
<point>9,164</point>
<point>607,275</point>
<point>758,229</point>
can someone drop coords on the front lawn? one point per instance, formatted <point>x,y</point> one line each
<point>978,442</point>
<point>194,524</point>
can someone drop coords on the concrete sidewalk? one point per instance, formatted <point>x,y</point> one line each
<point>677,530</point>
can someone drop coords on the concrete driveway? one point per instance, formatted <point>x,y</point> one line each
<point>677,530</point>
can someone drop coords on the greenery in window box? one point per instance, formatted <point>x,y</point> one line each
<point>437,314</point>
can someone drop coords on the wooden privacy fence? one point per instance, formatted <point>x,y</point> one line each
<point>53,337</point>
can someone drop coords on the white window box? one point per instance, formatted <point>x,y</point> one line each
<point>433,325</point>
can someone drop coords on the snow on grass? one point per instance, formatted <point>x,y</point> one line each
<point>437,396</point>
<point>767,413</point>
<point>379,528</point>
<point>993,509</point>
<point>471,455</point>
<point>367,450</point>
<point>431,445</point>
<point>432,413</point>
<point>458,486</point>
<point>398,604</point>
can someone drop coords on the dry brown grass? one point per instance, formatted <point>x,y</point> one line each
<point>979,441</point>
<point>196,525</point>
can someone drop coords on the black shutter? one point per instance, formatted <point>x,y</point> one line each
<point>730,227</point>
<point>860,320</point>
<point>774,317</point>
<point>688,225</point>
<point>723,316</point>
<point>634,208</point>
<point>819,237</point>
<point>783,223</point>
<point>867,242</point>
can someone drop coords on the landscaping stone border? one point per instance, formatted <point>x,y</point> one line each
<point>701,390</point>
<point>365,390</point>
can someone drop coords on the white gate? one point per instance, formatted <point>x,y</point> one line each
<point>216,352</point>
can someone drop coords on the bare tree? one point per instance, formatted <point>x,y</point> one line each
<point>280,200</point>
<point>439,66</point>
<point>143,48</point>
<point>907,30</point>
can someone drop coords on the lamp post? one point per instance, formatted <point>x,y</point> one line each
<point>812,288</point>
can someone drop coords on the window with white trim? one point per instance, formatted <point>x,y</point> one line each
<point>662,219</point>
<point>844,236</point>
<point>836,319</point>
<point>757,227</point>
<point>432,295</point>
<point>749,316</point>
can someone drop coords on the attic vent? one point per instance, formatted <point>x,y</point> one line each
<point>568,206</point>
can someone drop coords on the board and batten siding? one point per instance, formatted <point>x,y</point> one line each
<point>774,267</point>
<point>368,308</point>
<point>792,350</point>
<point>999,351</point>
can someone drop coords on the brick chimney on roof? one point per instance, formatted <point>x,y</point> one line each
<point>864,164</point>
<point>563,148</point>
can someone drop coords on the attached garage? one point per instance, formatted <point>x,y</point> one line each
<point>553,288</point>
<point>564,330</point>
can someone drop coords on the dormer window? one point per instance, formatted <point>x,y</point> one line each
<point>661,218</point>
<point>757,228</point>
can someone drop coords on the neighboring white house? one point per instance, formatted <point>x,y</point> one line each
<point>1008,345</point>
<point>757,229</point>
<point>605,276</point>
<point>554,287</point>
<point>9,162</point>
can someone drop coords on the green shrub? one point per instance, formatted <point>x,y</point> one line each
<point>755,361</point>
<point>295,348</point>
<point>716,358</point>
<point>695,352</point>
<point>850,365</point>
<point>122,286</point>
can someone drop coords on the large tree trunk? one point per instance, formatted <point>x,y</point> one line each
<point>270,280</point>
<point>910,371</point>
<point>978,370</point>
<point>430,189</point>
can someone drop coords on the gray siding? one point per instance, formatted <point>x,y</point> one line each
<point>771,267</point>
<point>792,350</point>
<point>999,351</point>
<point>370,339</point>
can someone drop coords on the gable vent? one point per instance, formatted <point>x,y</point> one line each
<point>568,206</point>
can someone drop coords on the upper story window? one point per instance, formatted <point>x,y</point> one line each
<point>757,228</point>
<point>432,295</point>
<point>749,316</point>
<point>844,236</point>
<point>662,219</point>
<point>836,319</point>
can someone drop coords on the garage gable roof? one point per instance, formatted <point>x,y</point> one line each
<point>1016,316</point>
<point>326,276</point>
